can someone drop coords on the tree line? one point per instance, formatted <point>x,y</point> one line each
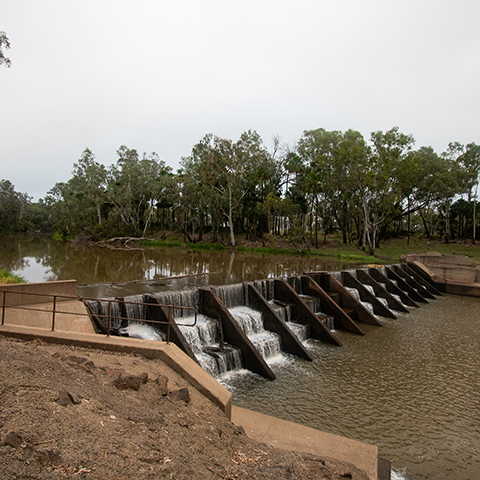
<point>328,181</point>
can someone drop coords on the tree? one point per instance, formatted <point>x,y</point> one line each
<point>470,160</point>
<point>12,204</point>
<point>380,191</point>
<point>227,171</point>
<point>4,43</point>
<point>134,185</point>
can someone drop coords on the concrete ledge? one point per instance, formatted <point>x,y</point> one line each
<point>169,353</point>
<point>44,291</point>
<point>298,438</point>
<point>469,290</point>
<point>70,316</point>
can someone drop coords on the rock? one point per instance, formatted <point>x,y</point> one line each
<point>64,398</point>
<point>76,399</point>
<point>162,382</point>
<point>9,437</point>
<point>126,380</point>
<point>241,430</point>
<point>112,372</point>
<point>82,362</point>
<point>181,394</point>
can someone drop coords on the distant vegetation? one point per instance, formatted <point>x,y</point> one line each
<point>7,277</point>
<point>330,181</point>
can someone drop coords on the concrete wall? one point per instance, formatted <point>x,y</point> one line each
<point>64,287</point>
<point>447,268</point>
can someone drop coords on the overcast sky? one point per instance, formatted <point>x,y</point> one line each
<point>158,75</point>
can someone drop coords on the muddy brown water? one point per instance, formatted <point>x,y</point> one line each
<point>102,272</point>
<point>410,387</point>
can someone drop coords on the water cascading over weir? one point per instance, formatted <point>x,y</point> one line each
<point>249,325</point>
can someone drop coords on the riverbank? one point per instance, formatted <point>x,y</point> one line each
<point>66,415</point>
<point>389,251</point>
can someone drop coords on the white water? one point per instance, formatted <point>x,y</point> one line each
<point>143,331</point>
<point>206,334</point>
<point>268,344</point>
<point>233,295</point>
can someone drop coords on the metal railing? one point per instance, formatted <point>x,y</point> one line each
<point>54,310</point>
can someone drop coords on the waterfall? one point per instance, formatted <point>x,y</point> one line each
<point>301,331</point>
<point>296,284</point>
<point>101,308</point>
<point>370,289</point>
<point>283,311</point>
<point>266,288</point>
<point>143,331</point>
<point>133,307</point>
<point>182,298</point>
<point>384,301</point>
<point>267,343</point>
<point>233,295</point>
<point>204,340</point>
<point>337,275</point>
<point>355,293</point>
<point>313,302</point>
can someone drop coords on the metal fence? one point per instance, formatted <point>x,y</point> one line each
<point>57,299</point>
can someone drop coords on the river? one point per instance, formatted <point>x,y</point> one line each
<point>103,272</point>
<point>410,387</point>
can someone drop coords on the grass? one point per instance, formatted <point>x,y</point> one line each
<point>390,251</point>
<point>8,278</point>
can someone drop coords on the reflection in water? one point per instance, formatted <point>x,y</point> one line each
<point>409,387</point>
<point>39,259</point>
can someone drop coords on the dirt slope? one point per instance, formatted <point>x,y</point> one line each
<point>67,412</point>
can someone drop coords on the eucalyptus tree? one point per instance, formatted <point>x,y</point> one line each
<point>12,206</point>
<point>134,187</point>
<point>470,160</point>
<point>90,177</point>
<point>415,179</point>
<point>227,171</point>
<point>77,204</point>
<point>451,179</point>
<point>334,167</point>
<point>380,189</point>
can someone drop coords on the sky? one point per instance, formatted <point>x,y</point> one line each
<point>158,75</point>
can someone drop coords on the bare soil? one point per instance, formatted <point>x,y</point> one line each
<point>65,413</point>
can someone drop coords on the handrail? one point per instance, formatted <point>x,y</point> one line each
<point>85,299</point>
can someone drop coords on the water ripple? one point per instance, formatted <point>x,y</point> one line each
<point>409,387</point>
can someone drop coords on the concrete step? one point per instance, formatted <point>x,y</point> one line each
<point>298,438</point>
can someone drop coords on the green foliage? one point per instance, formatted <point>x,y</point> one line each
<point>330,181</point>
<point>7,278</point>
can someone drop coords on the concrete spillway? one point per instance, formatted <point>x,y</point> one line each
<point>246,325</point>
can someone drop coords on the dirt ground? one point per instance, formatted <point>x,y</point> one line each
<point>69,412</point>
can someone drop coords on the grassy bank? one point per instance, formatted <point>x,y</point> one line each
<point>388,252</point>
<point>8,278</point>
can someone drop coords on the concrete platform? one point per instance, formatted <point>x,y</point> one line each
<point>294,437</point>
<point>71,316</point>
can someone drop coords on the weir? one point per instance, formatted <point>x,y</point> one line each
<point>248,325</point>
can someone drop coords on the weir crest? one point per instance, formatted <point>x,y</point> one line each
<point>246,325</point>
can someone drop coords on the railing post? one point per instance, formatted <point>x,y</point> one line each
<point>169,321</point>
<point>109,317</point>
<point>53,313</point>
<point>3,306</point>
